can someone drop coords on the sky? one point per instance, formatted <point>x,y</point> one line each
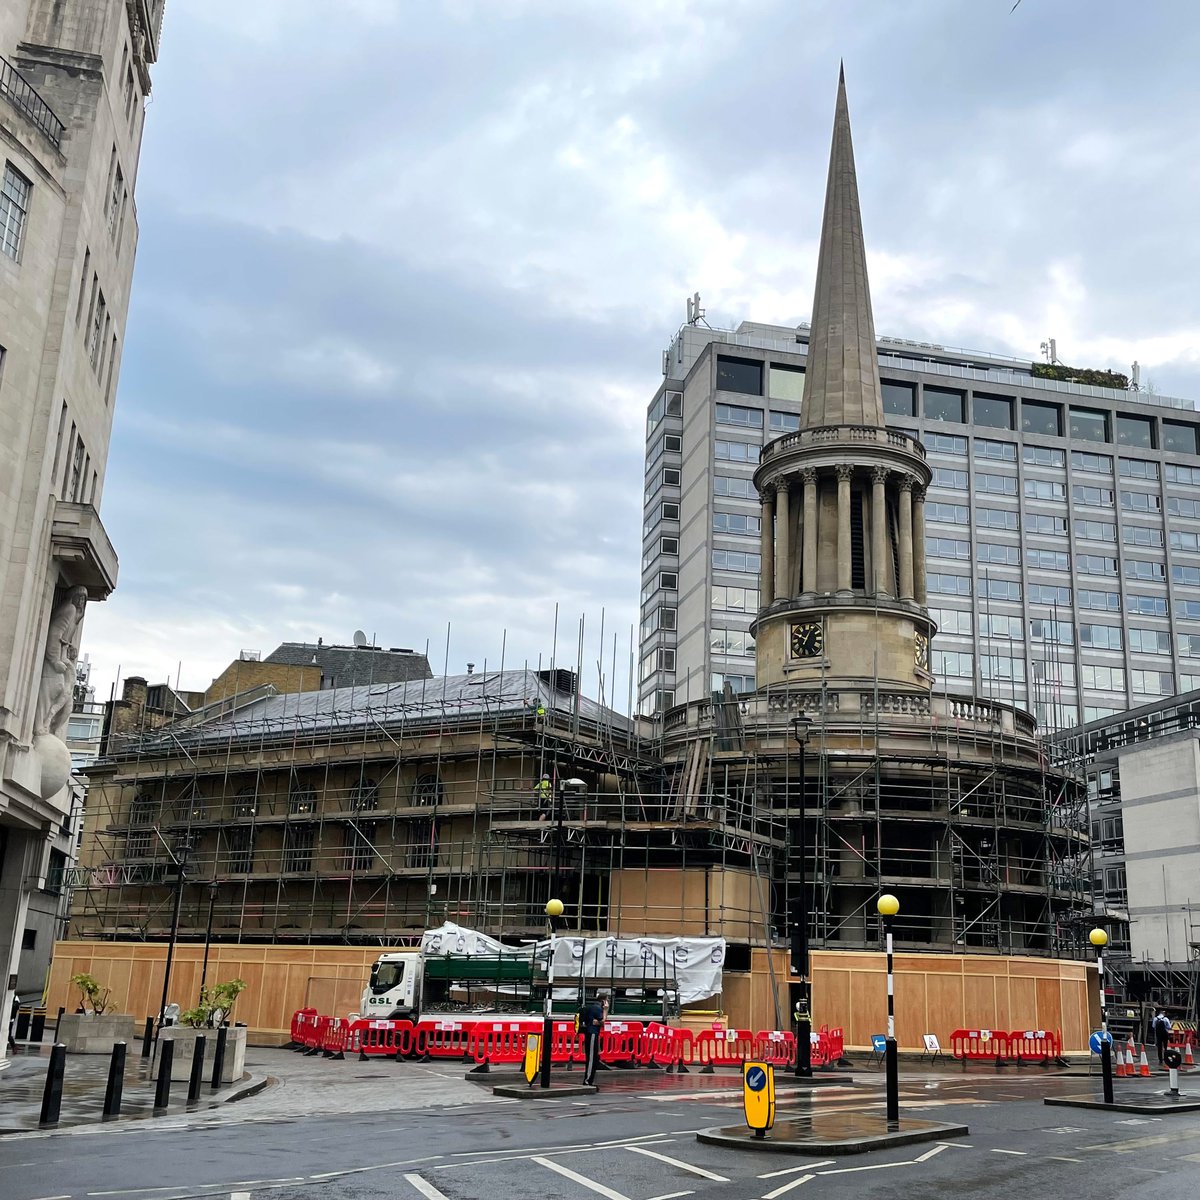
<point>406,273</point>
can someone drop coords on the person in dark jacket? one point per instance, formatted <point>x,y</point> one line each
<point>1162,1032</point>
<point>591,1025</point>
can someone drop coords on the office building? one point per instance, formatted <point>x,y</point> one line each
<point>74,76</point>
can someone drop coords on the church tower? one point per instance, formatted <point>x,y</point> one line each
<point>843,498</point>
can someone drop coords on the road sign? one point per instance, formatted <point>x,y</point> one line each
<point>758,1096</point>
<point>533,1057</point>
<point>1098,1039</point>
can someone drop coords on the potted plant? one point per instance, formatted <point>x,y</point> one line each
<point>210,1013</point>
<point>92,1029</point>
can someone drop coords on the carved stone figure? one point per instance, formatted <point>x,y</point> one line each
<point>58,665</point>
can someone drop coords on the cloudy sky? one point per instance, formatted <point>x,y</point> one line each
<point>406,273</point>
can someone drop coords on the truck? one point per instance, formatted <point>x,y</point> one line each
<point>458,972</point>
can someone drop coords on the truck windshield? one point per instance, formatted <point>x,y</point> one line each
<point>386,976</point>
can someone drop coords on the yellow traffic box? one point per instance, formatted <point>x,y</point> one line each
<point>758,1096</point>
<point>533,1057</point>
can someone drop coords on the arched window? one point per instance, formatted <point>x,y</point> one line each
<point>427,790</point>
<point>365,797</point>
<point>302,799</point>
<point>245,803</point>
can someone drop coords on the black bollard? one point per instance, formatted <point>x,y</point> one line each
<point>37,1027</point>
<point>22,1033</point>
<point>148,1037</point>
<point>58,1020</point>
<point>52,1095</point>
<point>116,1081</point>
<point>219,1058</point>
<point>196,1082</point>
<point>162,1093</point>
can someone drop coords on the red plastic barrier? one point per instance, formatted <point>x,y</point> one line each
<point>620,1042</point>
<point>383,1039</point>
<point>300,1019</point>
<point>313,1033</point>
<point>833,1043</point>
<point>443,1039</point>
<point>971,1045</point>
<point>777,1048</point>
<point>1034,1044</point>
<point>726,1048</point>
<point>501,1041</point>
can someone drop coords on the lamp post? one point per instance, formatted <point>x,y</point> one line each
<point>1099,939</point>
<point>179,863</point>
<point>799,917</point>
<point>212,904</point>
<point>554,910</point>
<point>888,907</point>
<point>564,786</point>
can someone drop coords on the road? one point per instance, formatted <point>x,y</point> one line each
<point>635,1141</point>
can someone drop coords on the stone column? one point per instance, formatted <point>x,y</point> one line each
<point>843,514</point>
<point>808,562</point>
<point>919,544</point>
<point>879,530</point>
<point>783,531</point>
<point>766,578</point>
<point>906,538</point>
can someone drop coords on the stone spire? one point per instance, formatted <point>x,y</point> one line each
<point>841,385</point>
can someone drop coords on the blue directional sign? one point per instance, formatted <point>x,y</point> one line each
<point>1098,1039</point>
<point>758,1096</point>
<point>756,1079</point>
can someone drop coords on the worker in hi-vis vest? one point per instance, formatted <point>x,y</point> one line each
<point>545,795</point>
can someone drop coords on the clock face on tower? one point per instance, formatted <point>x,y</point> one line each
<point>808,639</point>
<point>921,651</point>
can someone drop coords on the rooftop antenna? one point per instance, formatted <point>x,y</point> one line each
<point>695,314</point>
<point>360,638</point>
<point>1050,350</point>
<point>1135,380</point>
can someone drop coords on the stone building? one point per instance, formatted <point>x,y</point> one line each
<point>74,76</point>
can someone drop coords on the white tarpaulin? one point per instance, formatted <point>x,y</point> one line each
<point>694,964</point>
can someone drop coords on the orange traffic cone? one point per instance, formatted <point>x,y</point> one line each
<point>1130,1054</point>
<point>1188,1060</point>
<point>1120,1068</point>
<point>1144,1066</point>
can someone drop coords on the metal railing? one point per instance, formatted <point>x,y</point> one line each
<point>22,95</point>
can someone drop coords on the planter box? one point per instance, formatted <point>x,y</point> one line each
<point>184,1039</point>
<point>86,1033</point>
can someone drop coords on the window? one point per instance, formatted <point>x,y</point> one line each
<point>737,642</point>
<point>1039,417</point>
<point>1095,531</point>
<point>1152,683</point>
<point>1095,564</point>
<point>1141,568</point>
<point>1099,713</point>
<point>661,659</point>
<point>1182,508</point>
<point>673,444</point>
<point>952,620</point>
<point>1179,436</point>
<point>1043,523</point>
<point>734,599</point>
<point>422,843</point>
<point>943,547</point>
<point>1178,474</point>
<point>114,201</point>
<point>1104,679</point>
<point>96,330</point>
<point>1048,560</point>
<point>945,443</point>
<point>746,452</point>
<point>993,625</point>
<point>1001,666</point>
<point>996,485</point>
<point>945,478</point>
<point>1050,593</point>
<point>999,589</point>
<point>996,552</point>
<point>663,617</point>
<point>1045,489</point>
<point>993,412</point>
<point>298,843</point>
<point>14,206</point>
<point>1140,501</point>
<point>240,841</point>
<point>944,404</point>
<point>1097,497</point>
<point>786,383</point>
<point>1149,641</point>
<point>739,375</point>
<point>671,476</point>
<point>1142,535</point>
<point>732,485</point>
<point>668,545</point>
<point>364,796</point>
<point>948,514</point>
<point>958,664</point>
<point>899,399</point>
<point>1135,431</point>
<point>302,800</point>
<point>1189,683</point>
<point>1003,451</point>
<point>669,511</point>
<point>1089,425</point>
<point>358,854</point>
<point>995,518</point>
<point>1108,601</point>
<point>668,580</point>
<point>1043,456</point>
<point>1150,606</point>
<point>735,414</point>
<point>427,790</point>
<point>1185,539</point>
<point>1189,645</point>
<point>739,683</point>
<point>782,422</point>
<point>736,560</point>
<point>948,585</point>
<point>674,404</point>
<point>1137,468</point>
<point>724,522</point>
<point>1101,637</point>
<point>1189,609</point>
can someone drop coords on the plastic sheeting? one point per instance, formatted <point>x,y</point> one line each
<point>694,964</point>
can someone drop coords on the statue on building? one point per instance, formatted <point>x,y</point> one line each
<point>56,690</point>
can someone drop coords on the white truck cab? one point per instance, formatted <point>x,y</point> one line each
<point>395,987</point>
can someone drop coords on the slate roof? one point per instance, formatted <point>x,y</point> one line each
<point>353,666</point>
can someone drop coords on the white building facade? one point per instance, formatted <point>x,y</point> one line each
<point>74,76</point>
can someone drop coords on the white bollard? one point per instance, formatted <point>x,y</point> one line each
<point>1173,1076</point>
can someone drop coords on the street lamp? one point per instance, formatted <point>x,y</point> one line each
<point>1099,939</point>
<point>888,907</point>
<point>564,786</point>
<point>554,910</point>
<point>212,904</point>
<point>801,725</point>
<point>179,864</point>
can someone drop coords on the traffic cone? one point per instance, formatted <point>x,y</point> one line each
<point>1119,1073</point>
<point>1188,1060</point>
<point>1144,1066</point>
<point>1130,1054</point>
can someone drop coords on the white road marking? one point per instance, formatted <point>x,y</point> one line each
<point>239,1196</point>
<point>1063,1158</point>
<point>677,1162</point>
<point>671,1195</point>
<point>787,1187</point>
<point>1017,1153</point>
<point>582,1180</point>
<point>426,1189</point>
<point>67,1197</point>
<point>792,1170</point>
<point>929,1154</point>
<point>958,1145</point>
<point>908,1162</point>
<point>404,1162</point>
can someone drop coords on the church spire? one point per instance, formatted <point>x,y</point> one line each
<point>841,385</point>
